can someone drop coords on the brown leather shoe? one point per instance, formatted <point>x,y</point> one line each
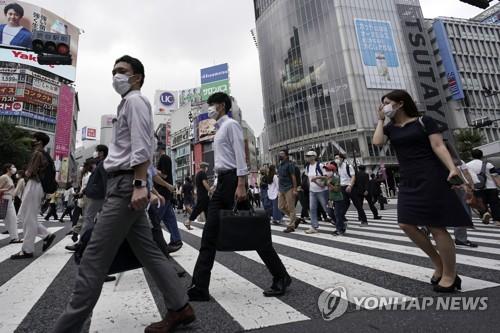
<point>172,320</point>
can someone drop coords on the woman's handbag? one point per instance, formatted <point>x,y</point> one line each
<point>243,230</point>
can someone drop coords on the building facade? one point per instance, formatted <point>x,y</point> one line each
<point>326,64</point>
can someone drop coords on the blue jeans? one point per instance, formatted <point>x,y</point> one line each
<point>314,198</point>
<point>168,217</point>
<point>277,214</point>
<point>340,209</point>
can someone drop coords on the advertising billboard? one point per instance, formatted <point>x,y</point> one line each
<point>452,73</point>
<point>89,133</point>
<point>166,101</point>
<point>18,20</point>
<point>379,55</point>
<point>214,79</point>
<point>206,127</point>
<point>190,96</point>
<point>63,132</point>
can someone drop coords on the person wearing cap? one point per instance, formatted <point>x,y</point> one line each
<point>202,198</point>
<point>336,199</point>
<point>318,190</point>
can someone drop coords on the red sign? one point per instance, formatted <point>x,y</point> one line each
<point>64,122</point>
<point>91,133</point>
<point>36,96</point>
<point>7,91</point>
<point>12,106</point>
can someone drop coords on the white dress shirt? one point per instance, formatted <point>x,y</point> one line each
<point>229,147</point>
<point>475,166</point>
<point>345,180</point>
<point>273,189</point>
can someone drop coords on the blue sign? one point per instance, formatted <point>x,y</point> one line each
<point>452,73</point>
<point>214,73</point>
<point>167,99</point>
<point>50,120</point>
<point>376,41</point>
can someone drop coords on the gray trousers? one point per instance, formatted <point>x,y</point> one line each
<point>92,207</point>
<point>28,212</point>
<point>461,232</point>
<point>116,223</point>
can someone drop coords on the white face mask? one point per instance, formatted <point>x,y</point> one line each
<point>121,84</point>
<point>13,170</point>
<point>389,111</point>
<point>338,161</point>
<point>212,112</point>
<point>95,154</point>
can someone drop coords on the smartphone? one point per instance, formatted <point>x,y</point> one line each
<point>456,181</point>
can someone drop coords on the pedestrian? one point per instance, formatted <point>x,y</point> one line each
<point>202,198</point>
<point>318,189</point>
<point>304,196</point>
<point>336,199</point>
<point>256,195</point>
<point>188,196</point>
<point>7,191</point>
<point>178,195</point>
<point>287,189</point>
<point>18,193</point>
<point>361,191</point>
<point>273,193</point>
<point>347,180</point>
<point>167,214</point>
<point>123,213</point>
<point>88,168</point>
<point>232,170</point>
<point>486,188</point>
<point>52,206</point>
<point>68,202</point>
<point>267,203</point>
<point>375,192</point>
<point>425,195</point>
<point>33,194</point>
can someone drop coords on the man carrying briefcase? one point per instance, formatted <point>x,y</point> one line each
<point>231,169</point>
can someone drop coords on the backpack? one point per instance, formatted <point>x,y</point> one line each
<point>48,177</point>
<point>318,169</point>
<point>297,174</point>
<point>482,178</point>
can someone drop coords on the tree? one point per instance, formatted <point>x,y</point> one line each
<point>466,140</point>
<point>15,145</point>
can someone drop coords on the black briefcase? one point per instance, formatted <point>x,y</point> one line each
<point>243,230</point>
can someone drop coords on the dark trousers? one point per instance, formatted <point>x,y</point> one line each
<point>223,198</point>
<point>256,200</point>
<point>200,207</point>
<point>154,217</point>
<point>357,201</point>
<point>322,214</point>
<point>52,212</point>
<point>67,211</point>
<point>17,204</point>
<point>490,198</point>
<point>304,202</point>
<point>77,212</point>
<point>371,203</point>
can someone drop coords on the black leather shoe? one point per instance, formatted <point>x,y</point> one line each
<point>109,278</point>
<point>196,294</point>
<point>72,248</point>
<point>435,280</point>
<point>74,237</point>
<point>457,285</point>
<point>174,246</point>
<point>278,287</point>
<point>47,242</point>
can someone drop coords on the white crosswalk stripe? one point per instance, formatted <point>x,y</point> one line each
<point>379,248</point>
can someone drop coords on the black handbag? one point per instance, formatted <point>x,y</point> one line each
<point>243,230</point>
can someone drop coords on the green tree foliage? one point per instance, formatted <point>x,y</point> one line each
<point>466,140</point>
<point>15,145</point>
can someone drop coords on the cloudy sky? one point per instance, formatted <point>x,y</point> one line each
<point>174,39</point>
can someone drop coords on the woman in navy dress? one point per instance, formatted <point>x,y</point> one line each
<point>425,197</point>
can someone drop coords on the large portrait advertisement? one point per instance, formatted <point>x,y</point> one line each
<point>17,22</point>
<point>380,59</point>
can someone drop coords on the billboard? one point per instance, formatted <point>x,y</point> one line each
<point>214,79</point>
<point>89,133</point>
<point>190,96</point>
<point>379,56</point>
<point>166,101</point>
<point>206,127</point>
<point>63,132</point>
<point>452,73</point>
<point>489,16</point>
<point>16,31</point>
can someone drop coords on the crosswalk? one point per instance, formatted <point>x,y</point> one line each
<point>375,260</point>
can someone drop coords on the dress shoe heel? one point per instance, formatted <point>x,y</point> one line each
<point>457,285</point>
<point>435,280</point>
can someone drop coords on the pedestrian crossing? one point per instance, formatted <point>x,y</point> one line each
<point>376,260</point>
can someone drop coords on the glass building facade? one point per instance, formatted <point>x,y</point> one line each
<point>323,75</point>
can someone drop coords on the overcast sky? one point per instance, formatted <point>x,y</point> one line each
<point>174,39</point>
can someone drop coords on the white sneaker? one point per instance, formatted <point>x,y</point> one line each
<point>311,231</point>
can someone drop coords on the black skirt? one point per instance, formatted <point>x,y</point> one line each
<point>426,199</point>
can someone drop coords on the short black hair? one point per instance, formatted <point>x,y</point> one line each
<point>409,106</point>
<point>372,175</point>
<point>188,179</point>
<point>103,149</point>
<point>16,7</point>
<point>339,154</point>
<point>40,136</point>
<point>219,98</point>
<point>477,154</point>
<point>136,65</point>
<point>285,151</point>
<point>6,167</point>
<point>361,167</point>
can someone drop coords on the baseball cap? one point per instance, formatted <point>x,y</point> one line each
<point>311,153</point>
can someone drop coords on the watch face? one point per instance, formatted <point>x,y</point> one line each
<point>139,183</point>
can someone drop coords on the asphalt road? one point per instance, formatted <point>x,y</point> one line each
<point>377,261</point>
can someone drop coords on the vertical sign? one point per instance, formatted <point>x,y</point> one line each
<point>214,79</point>
<point>63,131</point>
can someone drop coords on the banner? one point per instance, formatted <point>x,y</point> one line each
<point>190,96</point>
<point>214,79</point>
<point>11,106</point>
<point>64,125</point>
<point>89,133</point>
<point>25,114</point>
<point>45,86</point>
<point>16,30</point>
<point>212,88</point>
<point>379,55</point>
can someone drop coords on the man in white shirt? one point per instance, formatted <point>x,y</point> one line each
<point>318,189</point>
<point>347,180</point>
<point>488,190</point>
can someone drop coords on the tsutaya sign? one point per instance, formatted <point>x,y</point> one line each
<point>417,41</point>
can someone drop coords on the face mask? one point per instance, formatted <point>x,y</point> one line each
<point>121,84</point>
<point>95,154</point>
<point>212,112</point>
<point>13,170</point>
<point>338,161</point>
<point>389,111</point>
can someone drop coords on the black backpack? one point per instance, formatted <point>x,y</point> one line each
<point>297,174</point>
<point>482,178</point>
<point>48,176</point>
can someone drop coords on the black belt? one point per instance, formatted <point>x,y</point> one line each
<point>114,174</point>
<point>226,172</point>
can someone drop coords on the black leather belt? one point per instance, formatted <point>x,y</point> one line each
<point>114,174</point>
<point>226,172</point>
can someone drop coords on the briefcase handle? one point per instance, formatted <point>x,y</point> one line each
<point>235,208</point>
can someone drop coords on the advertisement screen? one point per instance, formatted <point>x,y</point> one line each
<point>17,22</point>
<point>206,127</point>
<point>381,64</point>
<point>190,96</point>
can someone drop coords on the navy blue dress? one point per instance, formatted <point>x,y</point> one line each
<point>425,197</point>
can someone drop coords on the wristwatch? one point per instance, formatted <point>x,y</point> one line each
<point>139,183</point>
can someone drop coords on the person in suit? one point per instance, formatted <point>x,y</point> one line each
<point>362,190</point>
<point>13,33</point>
<point>374,191</point>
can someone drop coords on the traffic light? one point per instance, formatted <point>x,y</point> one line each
<point>52,48</point>
<point>478,3</point>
